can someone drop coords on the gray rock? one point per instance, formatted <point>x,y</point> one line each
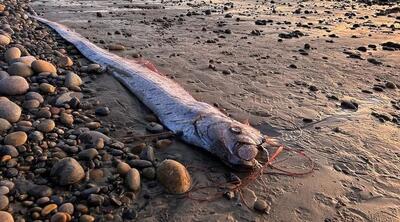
<point>34,95</point>
<point>67,171</point>
<point>20,69</point>
<point>39,191</point>
<point>9,110</point>
<point>4,125</point>
<point>13,85</point>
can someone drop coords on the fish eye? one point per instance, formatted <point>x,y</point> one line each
<point>236,130</point>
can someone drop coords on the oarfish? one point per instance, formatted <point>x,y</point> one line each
<point>195,122</point>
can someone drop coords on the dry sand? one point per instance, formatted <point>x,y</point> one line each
<point>251,78</point>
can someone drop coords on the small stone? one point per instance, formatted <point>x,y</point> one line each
<point>9,110</point>
<point>88,154</point>
<point>16,138</point>
<point>86,218</point>
<point>116,47</point>
<point>4,202</point>
<point>140,163</point>
<point>34,95</point>
<point>123,168</point>
<point>48,209</point>
<point>67,119</point>
<point>95,199</point>
<point>132,179</point>
<point>67,208</point>
<point>31,104</point>
<point>40,66</point>
<point>59,217</point>
<point>13,85</point>
<point>149,173</point>
<point>4,125</point>
<point>47,88</point>
<point>4,40</point>
<point>6,217</point>
<point>20,69</point>
<point>93,125</point>
<point>26,59</point>
<point>8,150</point>
<point>65,61</point>
<point>93,68</point>
<point>39,191</point>
<point>154,127</point>
<point>46,126</point>
<point>102,111</point>
<point>36,136</point>
<point>3,74</point>
<point>349,105</point>
<point>67,171</point>
<point>12,53</point>
<point>390,85</point>
<point>4,190</point>
<point>163,143</point>
<point>72,80</point>
<point>92,137</point>
<point>173,176</point>
<point>260,206</point>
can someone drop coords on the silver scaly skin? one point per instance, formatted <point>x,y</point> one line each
<point>195,122</point>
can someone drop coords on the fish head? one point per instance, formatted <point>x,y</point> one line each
<point>237,144</point>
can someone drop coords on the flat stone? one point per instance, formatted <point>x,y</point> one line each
<point>140,163</point>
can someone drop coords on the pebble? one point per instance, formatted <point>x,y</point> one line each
<point>4,202</point>
<point>30,104</point>
<point>132,179</point>
<point>46,126</point>
<point>39,191</point>
<point>260,206</point>
<point>48,209</point>
<point>3,74</point>
<point>4,125</point>
<point>173,176</point>
<point>26,59</point>
<point>72,80</point>
<point>93,68</point>
<point>349,105</point>
<point>20,69</point>
<point>67,171</point>
<point>88,154</point>
<point>123,168</point>
<point>154,127</point>
<point>35,96</point>
<point>149,173</point>
<point>140,163</point>
<point>67,208</point>
<point>4,40</point>
<point>91,137</point>
<point>47,88</point>
<point>67,119</point>
<point>65,61</point>
<point>8,150</point>
<point>4,190</point>
<point>6,217</point>
<point>86,218</point>
<point>102,111</point>
<point>9,110</point>
<point>59,217</point>
<point>67,98</point>
<point>12,54</point>
<point>95,199</point>
<point>16,138</point>
<point>40,66</point>
<point>13,85</point>
<point>36,136</point>
<point>163,143</point>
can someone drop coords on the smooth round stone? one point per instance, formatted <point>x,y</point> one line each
<point>65,61</point>
<point>260,205</point>
<point>47,88</point>
<point>3,75</point>
<point>9,110</point>
<point>102,111</point>
<point>42,201</point>
<point>91,137</point>
<point>8,150</point>
<point>154,127</point>
<point>67,208</point>
<point>34,95</point>
<point>48,209</point>
<point>46,126</point>
<point>173,176</point>
<point>42,66</point>
<point>132,179</point>
<point>39,191</point>
<point>93,125</point>
<point>4,202</point>
<point>4,190</point>
<point>6,217</point>
<point>72,80</point>
<point>59,217</point>
<point>67,119</point>
<point>67,171</point>
<point>12,54</point>
<point>88,154</point>
<point>36,136</point>
<point>123,168</point>
<point>31,104</point>
<point>86,218</point>
<point>13,85</point>
<point>93,68</point>
<point>16,138</point>
<point>4,125</point>
<point>20,69</point>
<point>67,98</point>
<point>26,59</point>
<point>4,40</point>
<point>8,184</point>
<point>149,173</point>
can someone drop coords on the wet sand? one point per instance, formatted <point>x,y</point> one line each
<point>289,92</point>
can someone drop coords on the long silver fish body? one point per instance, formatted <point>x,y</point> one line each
<point>196,123</point>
